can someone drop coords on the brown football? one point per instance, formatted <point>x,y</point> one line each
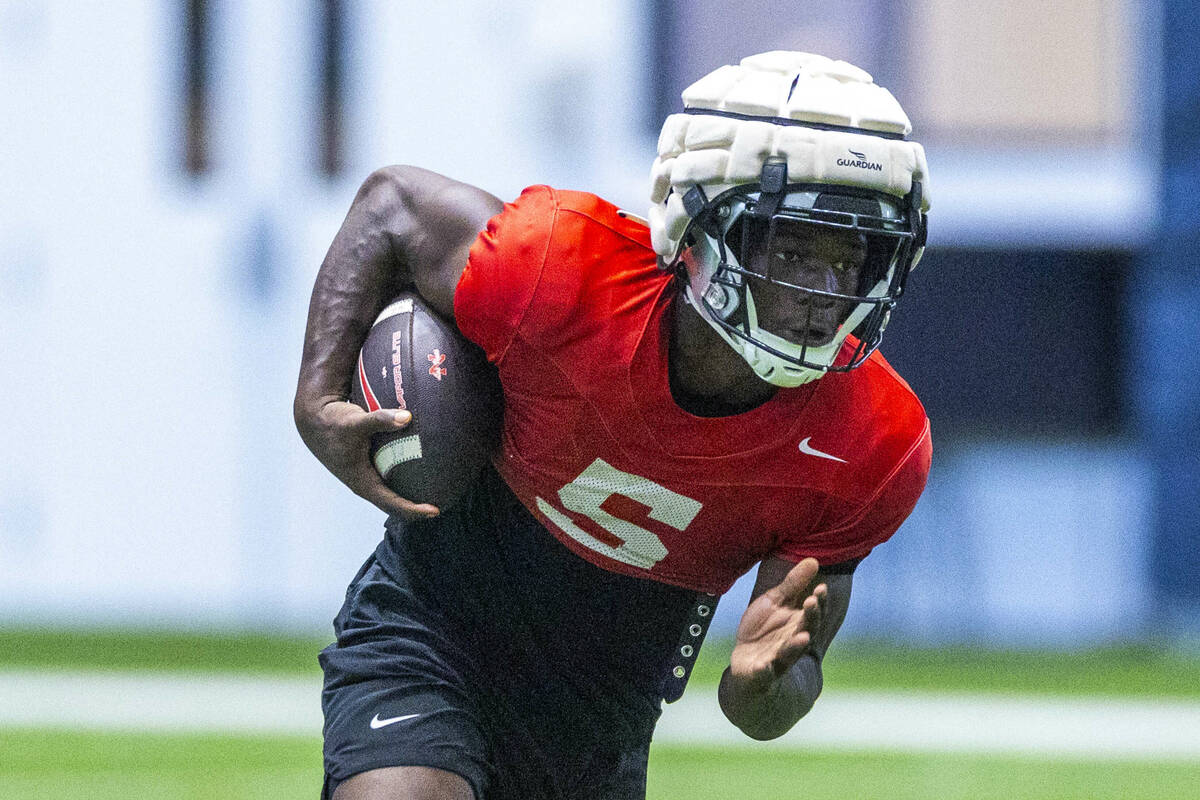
<point>414,359</point>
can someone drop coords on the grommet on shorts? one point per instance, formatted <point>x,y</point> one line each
<point>690,639</point>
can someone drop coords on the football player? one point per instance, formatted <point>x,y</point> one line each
<point>684,400</point>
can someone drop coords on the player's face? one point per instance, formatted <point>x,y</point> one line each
<point>810,258</point>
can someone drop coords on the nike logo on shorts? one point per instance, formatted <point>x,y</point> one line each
<point>377,723</point>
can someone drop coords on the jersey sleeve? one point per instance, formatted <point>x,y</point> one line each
<point>875,521</point>
<point>503,270</point>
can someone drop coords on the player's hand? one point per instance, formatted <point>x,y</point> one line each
<point>778,628</point>
<point>339,435</point>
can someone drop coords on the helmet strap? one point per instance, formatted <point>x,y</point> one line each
<point>772,183</point>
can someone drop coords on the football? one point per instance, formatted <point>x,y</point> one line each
<point>414,359</point>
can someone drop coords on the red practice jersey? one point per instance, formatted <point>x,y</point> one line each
<point>565,296</point>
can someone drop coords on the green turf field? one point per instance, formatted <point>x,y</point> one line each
<point>1141,671</point>
<point>37,764</point>
<point>701,773</point>
<point>42,763</point>
<point>116,648</point>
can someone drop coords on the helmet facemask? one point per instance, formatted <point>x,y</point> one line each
<point>746,237</point>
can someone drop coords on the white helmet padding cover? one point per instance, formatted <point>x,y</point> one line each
<point>831,126</point>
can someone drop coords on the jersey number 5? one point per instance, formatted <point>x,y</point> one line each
<point>596,484</point>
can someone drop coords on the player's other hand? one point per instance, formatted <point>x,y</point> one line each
<point>778,628</point>
<point>339,435</point>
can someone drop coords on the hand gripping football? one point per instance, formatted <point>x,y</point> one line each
<point>414,359</point>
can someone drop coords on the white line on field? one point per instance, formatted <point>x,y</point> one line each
<point>147,701</point>
<point>1108,728</point>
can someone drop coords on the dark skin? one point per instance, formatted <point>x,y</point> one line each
<point>409,226</point>
<point>704,367</point>
<point>826,261</point>
<point>406,226</point>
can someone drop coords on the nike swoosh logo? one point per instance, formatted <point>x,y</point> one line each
<point>377,723</point>
<point>809,450</point>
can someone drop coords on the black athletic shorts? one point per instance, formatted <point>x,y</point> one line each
<point>476,643</point>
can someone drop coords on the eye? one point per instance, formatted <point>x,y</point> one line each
<point>794,257</point>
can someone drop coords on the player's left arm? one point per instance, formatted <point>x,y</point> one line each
<point>774,674</point>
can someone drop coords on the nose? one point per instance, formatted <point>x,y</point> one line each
<point>821,275</point>
<point>820,314</point>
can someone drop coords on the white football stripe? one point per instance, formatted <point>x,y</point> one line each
<point>396,452</point>
<point>404,306</point>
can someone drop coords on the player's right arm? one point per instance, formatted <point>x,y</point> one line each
<point>406,227</point>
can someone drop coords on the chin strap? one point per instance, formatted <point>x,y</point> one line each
<point>766,366</point>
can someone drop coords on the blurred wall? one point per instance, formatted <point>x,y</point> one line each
<point>158,242</point>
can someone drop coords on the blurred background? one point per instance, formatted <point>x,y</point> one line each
<point>172,173</point>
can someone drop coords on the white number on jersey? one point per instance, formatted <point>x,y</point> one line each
<point>600,481</point>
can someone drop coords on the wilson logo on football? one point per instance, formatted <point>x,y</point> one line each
<point>436,369</point>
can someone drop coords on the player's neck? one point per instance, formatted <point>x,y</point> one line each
<point>708,378</point>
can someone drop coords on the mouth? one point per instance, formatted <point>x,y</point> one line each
<point>810,336</point>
